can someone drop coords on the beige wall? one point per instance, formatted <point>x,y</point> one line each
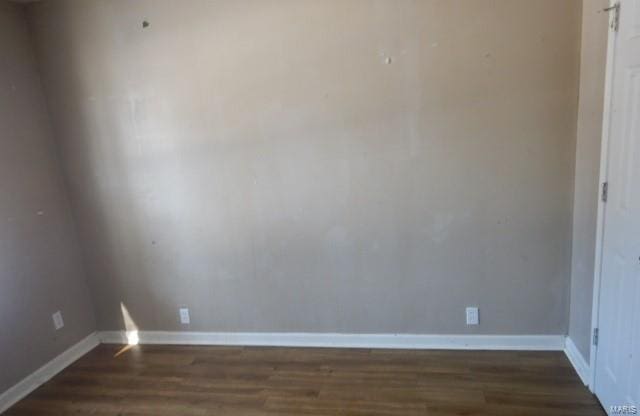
<point>40,265</point>
<point>592,70</point>
<point>330,166</point>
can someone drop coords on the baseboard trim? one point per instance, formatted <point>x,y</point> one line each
<point>400,341</point>
<point>44,373</point>
<point>577,360</point>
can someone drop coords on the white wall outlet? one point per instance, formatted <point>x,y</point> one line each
<point>184,316</point>
<point>472,316</point>
<point>58,322</point>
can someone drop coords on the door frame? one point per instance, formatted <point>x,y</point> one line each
<point>603,177</point>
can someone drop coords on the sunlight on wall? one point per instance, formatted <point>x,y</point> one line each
<point>130,326</point>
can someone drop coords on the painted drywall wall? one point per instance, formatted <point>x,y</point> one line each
<point>40,264</point>
<point>590,107</point>
<point>319,166</point>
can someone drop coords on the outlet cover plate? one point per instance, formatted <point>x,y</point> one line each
<point>473,317</point>
<point>58,322</point>
<point>184,316</point>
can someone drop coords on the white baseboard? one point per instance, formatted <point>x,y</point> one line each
<point>401,341</point>
<point>578,361</point>
<point>44,373</point>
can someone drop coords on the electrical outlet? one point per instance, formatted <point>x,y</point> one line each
<point>58,322</point>
<point>472,316</point>
<point>184,316</point>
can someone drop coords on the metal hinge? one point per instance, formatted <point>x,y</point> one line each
<point>605,191</point>
<point>615,19</point>
<point>595,336</point>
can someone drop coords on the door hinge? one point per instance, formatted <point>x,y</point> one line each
<point>615,18</point>
<point>605,191</point>
<point>595,336</point>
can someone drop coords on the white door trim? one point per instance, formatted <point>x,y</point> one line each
<point>604,165</point>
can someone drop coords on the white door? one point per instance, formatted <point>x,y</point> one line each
<point>617,378</point>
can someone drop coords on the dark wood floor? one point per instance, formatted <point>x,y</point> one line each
<point>234,381</point>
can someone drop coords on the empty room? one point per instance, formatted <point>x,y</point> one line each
<point>320,207</point>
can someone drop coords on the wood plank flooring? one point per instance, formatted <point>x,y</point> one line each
<point>250,381</point>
